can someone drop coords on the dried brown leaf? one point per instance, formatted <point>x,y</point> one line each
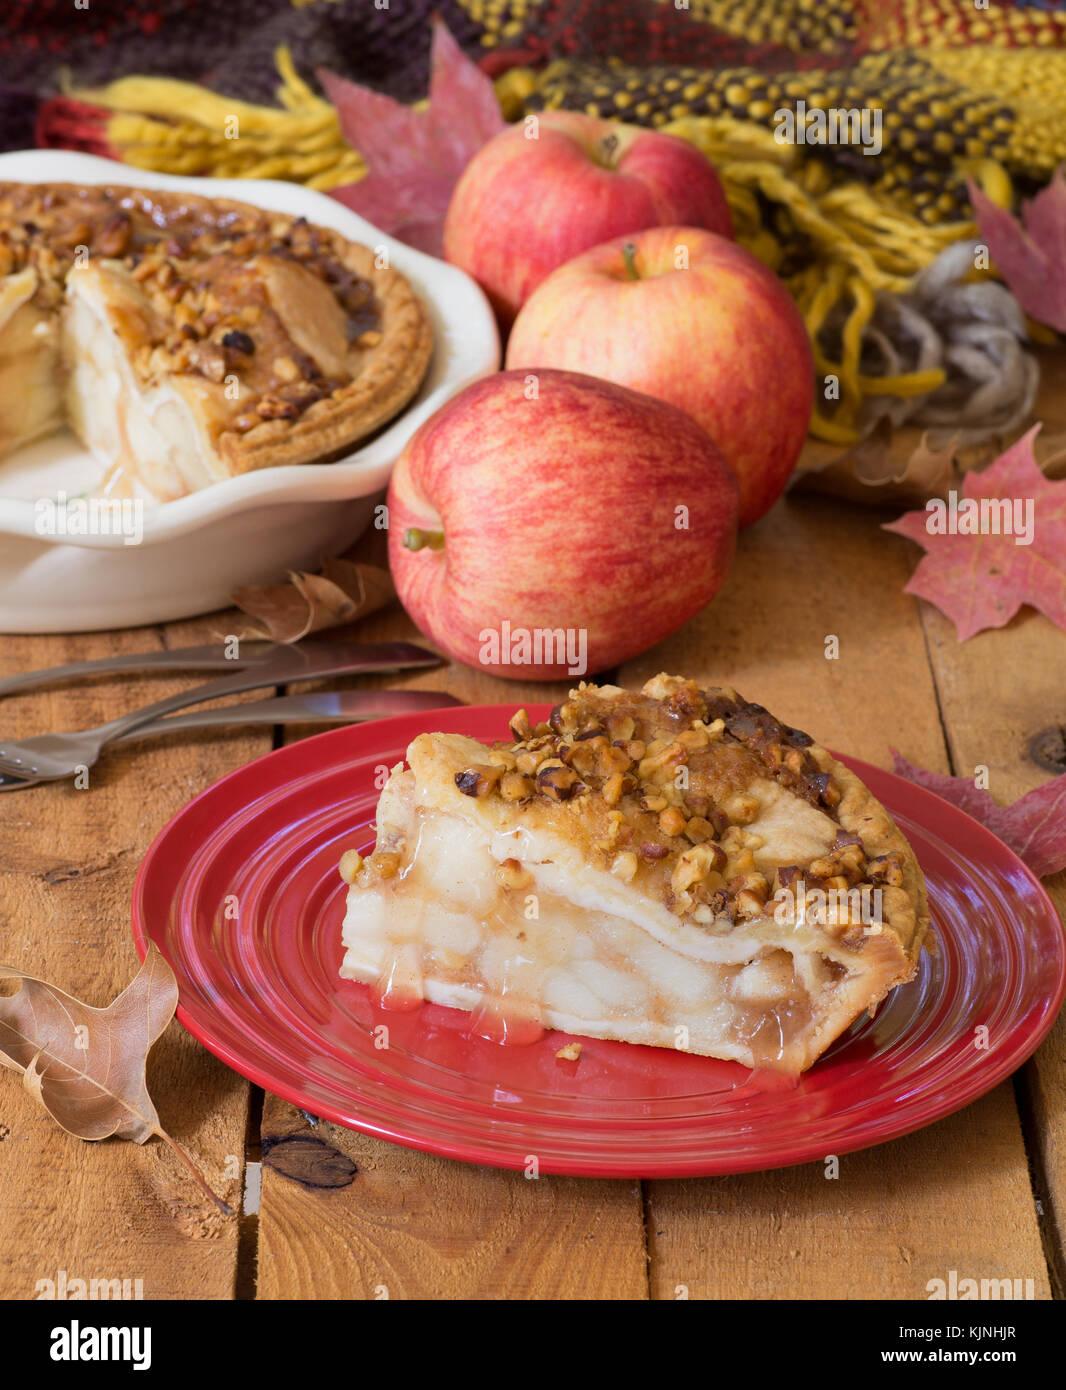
<point>928,471</point>
<point>306,603</point>
<point>86,1066</point>
<point>885,466</point>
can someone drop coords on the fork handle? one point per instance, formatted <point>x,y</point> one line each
<point>318,707</point>
<point>178,659</point>
<point>288,664</point>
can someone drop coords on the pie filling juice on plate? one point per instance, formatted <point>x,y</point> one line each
<point>674,868</point>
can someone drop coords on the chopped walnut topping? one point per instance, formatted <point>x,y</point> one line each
<point>209,360</point>
<point>694,865</point>
<point>694,739</point>
<point>274,408</point>
<point>885,869</point>
<point>515,787</point>
<point>285,369</point>
<point>698,829</point>
<point>748,904</point>
<point>610,758</point>
<point>672,821</point>
<point>668,769</point>
<point>742,862</point>
<point>557,780</point>
<point>510,873</point>
<point>625,865</point>
<point>613,788</point>
<point>351,863</point>
<point>477,781</point>
<point>621,726</point>
<point>520,726</point>
<point>742,809</point>
<point>581,757</point>
<point>114,238</point>
<point>238,341</point>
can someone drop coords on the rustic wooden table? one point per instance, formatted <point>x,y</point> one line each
<point>983,1192</point>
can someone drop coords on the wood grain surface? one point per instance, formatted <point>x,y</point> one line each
<point>341,1215</point>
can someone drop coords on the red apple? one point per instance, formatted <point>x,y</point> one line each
<point>697,321</point>
<point>537,504</point>
<point>537,194</point>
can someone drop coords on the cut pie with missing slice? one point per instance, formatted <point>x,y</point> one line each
<point>187,340</point>
<point>674,868</point>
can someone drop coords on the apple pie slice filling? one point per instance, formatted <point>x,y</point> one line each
<point>546,884</point>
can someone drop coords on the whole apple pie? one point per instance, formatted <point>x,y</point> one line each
<point>187,339</point>
<point>674,867</point>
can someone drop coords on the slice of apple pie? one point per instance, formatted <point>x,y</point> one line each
<point>187,339</point>
<point>674,867</point>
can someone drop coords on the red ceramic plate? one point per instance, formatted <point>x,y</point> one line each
<point>241,893</point>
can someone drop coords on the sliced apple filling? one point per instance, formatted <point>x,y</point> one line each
<point>159,436</point>
<point>504,899</point>
<point>30,397</point>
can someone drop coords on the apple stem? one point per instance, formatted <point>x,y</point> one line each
<point>416,539</point>
<point>629,259</point>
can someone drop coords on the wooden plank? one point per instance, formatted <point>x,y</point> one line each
<point>427,1227</point>
<point>997,691</point>
<point>410,1225</point>
<point>67,863</point>
<point>955,1195</point>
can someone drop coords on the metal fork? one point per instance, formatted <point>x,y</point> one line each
<point>50,757</point>
<point>319,707</point>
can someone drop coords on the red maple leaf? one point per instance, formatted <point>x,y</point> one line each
<point>415,157</point>
<point>999,545</point>
<point>1031,258</point>
<point>1034,827</point>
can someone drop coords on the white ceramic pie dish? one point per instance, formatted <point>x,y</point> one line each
<point>192,552</point>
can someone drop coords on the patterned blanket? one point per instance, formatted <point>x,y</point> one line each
<point>956,92</point>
